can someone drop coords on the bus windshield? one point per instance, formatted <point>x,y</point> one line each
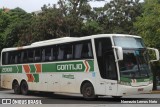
<point>128,42</point>
<point>135,63</point>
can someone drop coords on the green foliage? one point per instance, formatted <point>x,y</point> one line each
<point>148,25</point>
<point>73,18</point>
<point>12,24</point>
<point>91,27</point>
<point>119,16</point>
<point>4,21</point>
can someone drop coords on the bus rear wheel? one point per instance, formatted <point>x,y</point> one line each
<point>16,87</point>
<point>88,91</point>
<point>24,88</point>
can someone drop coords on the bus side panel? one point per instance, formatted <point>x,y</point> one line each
<point>7,79</point>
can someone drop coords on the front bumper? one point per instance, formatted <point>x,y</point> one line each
<point>132,90</point>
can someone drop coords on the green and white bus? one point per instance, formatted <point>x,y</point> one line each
<point>97,65</point>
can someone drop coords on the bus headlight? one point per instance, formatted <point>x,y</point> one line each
<point>124,83</point>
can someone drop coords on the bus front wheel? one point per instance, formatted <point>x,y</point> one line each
<point>16,87</point>
<point>24,88</point>
<point>88,91</point>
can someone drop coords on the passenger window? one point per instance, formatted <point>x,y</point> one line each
<point>24,56</point>
<point>48,54</point>
<point>18,55</point>
<point>5,58</point>
<point>61,52</point>
<point>77,51</point>
<point>87,51</point>
<point>83,50</point>
<point>13,58</point>
<point>37,56</point>
<point>68,51</point>
<point>30,56</point>
<point>54,53</point>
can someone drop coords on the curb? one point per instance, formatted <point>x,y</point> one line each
<point>155,92</point>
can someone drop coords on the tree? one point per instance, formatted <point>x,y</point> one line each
<point>118,16</point>
<point>148,26</point>
<point>48,24</point>
<point>4,22</point>
<point>91,27</point>
<point>76,13</point>
<point>18,20</point>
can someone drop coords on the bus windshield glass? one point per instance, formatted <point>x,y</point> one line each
<point>128,42</point>
<point>135,63</point>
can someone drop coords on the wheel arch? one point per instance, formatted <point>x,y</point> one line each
<point>15,80</point>
<point>85,81</point>
<point>23,80</point>
<point>24,87</point>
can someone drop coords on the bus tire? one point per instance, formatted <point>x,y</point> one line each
<point>88,91</point>
<point>24,88</point>
<point>16,87</point>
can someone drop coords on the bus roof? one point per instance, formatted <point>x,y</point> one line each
<point>65,40</point>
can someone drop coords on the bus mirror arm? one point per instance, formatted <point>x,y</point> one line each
<point>119,52</point>
<point>156,52</point>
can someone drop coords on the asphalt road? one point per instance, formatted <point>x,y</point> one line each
<point>75,100</point>
<point>61,98</point>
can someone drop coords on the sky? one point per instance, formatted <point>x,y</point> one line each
<point>35,5</point>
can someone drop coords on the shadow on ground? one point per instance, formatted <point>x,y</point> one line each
<point>52,98</point>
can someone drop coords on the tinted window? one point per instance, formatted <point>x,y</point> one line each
<point>69,51</point>
<point>48,54</point>
<point>30,55</point>
<point>24,56</point>
<point>83,50</point>
<point>5,58</point>
<point>37,55</point>
<point>105,58</point>
<point>65,51</point>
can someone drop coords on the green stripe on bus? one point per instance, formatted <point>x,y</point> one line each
<point>91,63</point>
<point>124,79</point>
<point>70,67</point>
<point>80,66</point>
<point>9,69</point>
<point>36,77</point>
<point>19,68</point>
<point>32,69</point>
<point>48,67</point>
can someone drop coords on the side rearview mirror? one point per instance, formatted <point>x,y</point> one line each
<point>119,51</point>
<point>156,53</point>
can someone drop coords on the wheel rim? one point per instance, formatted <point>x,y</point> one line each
<point>16,87</point>
<point>88,92</point>
<point>24,88</point>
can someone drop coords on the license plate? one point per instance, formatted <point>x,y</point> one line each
<point>140,89</point>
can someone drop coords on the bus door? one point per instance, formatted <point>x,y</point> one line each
<point>107,66</point>
<point>111,73</point>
